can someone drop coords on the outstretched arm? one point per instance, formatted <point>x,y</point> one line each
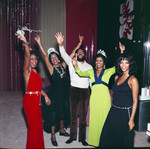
<point>46,59</point>
<point>74,61</point>
<point>60,40</point>
<point>121,47</point>
<point>77,69</point>
<point>26,66</point>
<point>78,46</point>
<point>26,54</point>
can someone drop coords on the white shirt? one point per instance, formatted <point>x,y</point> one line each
<point>76,81</point>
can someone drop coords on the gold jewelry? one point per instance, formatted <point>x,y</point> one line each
<point>104,67</point>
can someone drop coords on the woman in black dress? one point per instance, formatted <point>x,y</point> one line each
<point>118,128</point>
<point>57,116</point>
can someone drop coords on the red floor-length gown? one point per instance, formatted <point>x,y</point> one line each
<point>31,104</point>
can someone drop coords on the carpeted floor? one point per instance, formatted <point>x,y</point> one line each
<point>13,127</point>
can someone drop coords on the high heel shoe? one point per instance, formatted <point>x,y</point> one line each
<point>54,142</point>
<point>64,133</point>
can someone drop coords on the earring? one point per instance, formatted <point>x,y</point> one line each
<point>104,66</point>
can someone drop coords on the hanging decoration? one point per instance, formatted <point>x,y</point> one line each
<point>20,31</point>
<point>126,18</point>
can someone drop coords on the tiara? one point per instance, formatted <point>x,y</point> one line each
<point>50,50</point>
<point>102,52</point>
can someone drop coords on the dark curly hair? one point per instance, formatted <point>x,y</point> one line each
<point>102,56</point>
<point>37,55</point>
<point>82,50</point>
<point>132,63</point>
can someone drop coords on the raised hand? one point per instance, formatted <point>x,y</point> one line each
<point>74,61</point>
<point>37,39</point>
<point>81,38</point>
<point>60,38</point>
<point>122,47</point>
<point>22,38</point>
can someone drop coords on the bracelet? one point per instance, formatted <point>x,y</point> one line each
<point>25,43</point>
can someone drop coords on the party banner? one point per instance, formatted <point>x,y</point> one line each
<point>126,18</point>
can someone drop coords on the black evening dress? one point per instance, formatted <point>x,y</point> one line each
<point>115,133</point>
<point>59,109</point>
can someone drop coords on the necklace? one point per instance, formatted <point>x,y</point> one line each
<point>125,75</point>
<point>63,72</point>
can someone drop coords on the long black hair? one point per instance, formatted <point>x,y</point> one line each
<point>38,58</point>
<point>37,55</point>
<point>132,63</point>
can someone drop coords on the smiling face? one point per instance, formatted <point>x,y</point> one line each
<point>80,55</point>
<point>33,61</point>
<point>54,59</point>
<point>99,63</point>
<point>124,65</point>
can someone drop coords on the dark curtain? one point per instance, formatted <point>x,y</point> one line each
<point>108,32</point>
<point>108,28</point>
<point>15,13</point>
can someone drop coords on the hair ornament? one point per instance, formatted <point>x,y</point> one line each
<point>50,50</point>
<point>102,52</point>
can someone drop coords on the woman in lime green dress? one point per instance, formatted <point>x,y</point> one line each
<point>100,101</point>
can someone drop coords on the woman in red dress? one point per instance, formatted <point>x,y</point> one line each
<point>32,97</point>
